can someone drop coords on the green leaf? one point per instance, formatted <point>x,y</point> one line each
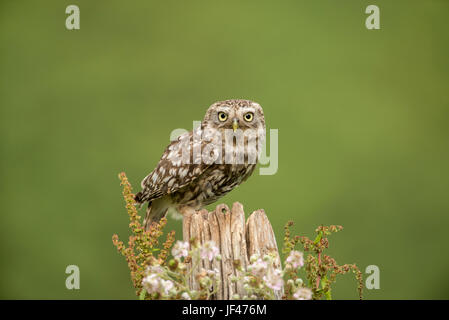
<point>318,238</point>
<point>327,293</point>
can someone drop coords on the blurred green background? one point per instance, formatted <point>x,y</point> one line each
<point>362,118</point>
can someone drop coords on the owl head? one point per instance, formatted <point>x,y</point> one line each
<point>234,114</point>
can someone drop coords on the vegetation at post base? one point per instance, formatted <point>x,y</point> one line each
<point>155,275</point>
<point>321,269</point>
<point>144,247</point>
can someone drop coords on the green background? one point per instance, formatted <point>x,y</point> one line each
<point>362,118</point>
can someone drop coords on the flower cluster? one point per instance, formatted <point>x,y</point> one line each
<point>295,259</point>
<point>262,279</point>
<point>154,284</point>
<point>265,279</point>
<point>171,281</point>
<point>180,250</point>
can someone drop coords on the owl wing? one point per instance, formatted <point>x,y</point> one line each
<point>175,169</point>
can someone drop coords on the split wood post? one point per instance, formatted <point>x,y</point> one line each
<point>236,241</point>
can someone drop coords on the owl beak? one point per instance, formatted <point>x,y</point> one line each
<point>235,124</point>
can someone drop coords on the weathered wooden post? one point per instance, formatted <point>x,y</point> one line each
<point>235,239</point>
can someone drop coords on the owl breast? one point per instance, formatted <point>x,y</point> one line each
<point>214,183</point>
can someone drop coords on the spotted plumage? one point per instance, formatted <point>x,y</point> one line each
<point>206,163</point>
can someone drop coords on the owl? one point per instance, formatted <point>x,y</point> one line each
<point>203,165</point>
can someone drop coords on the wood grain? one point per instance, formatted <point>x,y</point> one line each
<point>236,240</point>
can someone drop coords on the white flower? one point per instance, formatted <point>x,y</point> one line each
<point>258,268</point>
<point>209,251</point>
<point>155,269</point>
<point>185,296</point>
<point>180,249</point>
<point>296,259</point>
<point>214,273</point>
<point>166,286</point>
<point>153,283</point>
<point>273,279</point>
<point>303,294</point>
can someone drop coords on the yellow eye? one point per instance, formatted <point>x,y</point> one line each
<point>222,116</point>
<point>248,116</point>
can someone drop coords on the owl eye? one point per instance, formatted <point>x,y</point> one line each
<point>248,116</point>
<point>222,116</point>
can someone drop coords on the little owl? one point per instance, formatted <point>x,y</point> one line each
<point>206,163</point>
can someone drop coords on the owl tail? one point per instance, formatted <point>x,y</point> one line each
<point>157,209</point>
